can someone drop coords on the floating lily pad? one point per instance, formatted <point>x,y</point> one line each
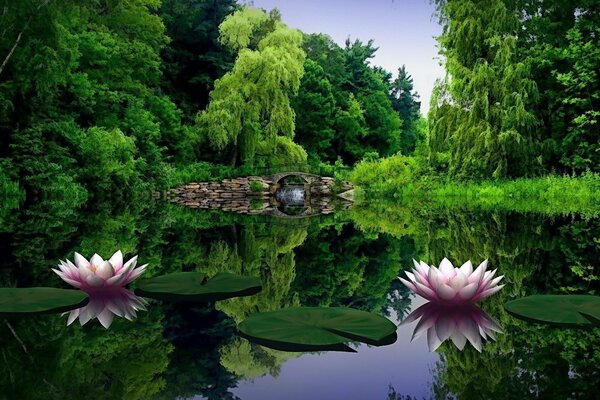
<point>317,329</point>
<point>40,300</point>
<point>563,310</point>
<point>195,286</point>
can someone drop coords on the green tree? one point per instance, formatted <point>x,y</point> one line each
<point>481,111</point>
<point>194,58</point>
<point>315,110</point>
<point>251,103</point>
<point>406,103</point>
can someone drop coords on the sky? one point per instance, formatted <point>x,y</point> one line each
<point>404,31</point>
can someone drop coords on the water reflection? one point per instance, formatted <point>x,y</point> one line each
<point>177,351</point>
<point>458,323</point>
<point>291,195</point>
<point>105,304</point>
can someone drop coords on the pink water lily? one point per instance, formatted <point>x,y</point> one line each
<point>97,273</point>
<point>105,304</point>
<point>449,285</point>
<point>458,323</point>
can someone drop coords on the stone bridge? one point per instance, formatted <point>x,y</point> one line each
<point>244,196</point>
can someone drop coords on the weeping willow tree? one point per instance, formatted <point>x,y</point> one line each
<point>250,105</point>
<point>480,116</point>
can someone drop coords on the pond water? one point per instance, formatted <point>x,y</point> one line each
<point>349,258</point>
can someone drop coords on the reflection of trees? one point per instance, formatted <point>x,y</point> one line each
<point>197,332</point>
<point>532,252</point>
<point>57,362</point>
<point>247,360</point>
<point>537,254</point>
<point>341,266</point>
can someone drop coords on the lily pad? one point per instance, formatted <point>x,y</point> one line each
<point>195,286</point>
<point>562,310</point>
<point>317,329</point>
<point>40,300</point>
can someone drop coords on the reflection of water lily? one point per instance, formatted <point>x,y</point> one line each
<point>459,323</point>
<point>450,285</point>
<point>105,304</point>
<point>97,273</point>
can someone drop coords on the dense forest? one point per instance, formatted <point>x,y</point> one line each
<point>97,97</point>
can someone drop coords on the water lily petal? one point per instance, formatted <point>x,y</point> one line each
<point>105,318</point>
<point>467,268</point>
<point>117,260</point>
<point>496,280</point>
<point>135,273</point>
<point>477,275</point>
<point>116,307</point>
<point>73,316</point>
<point>425,292</point>
<point>468,291</point>
<point>84,316</point>
<point>489,292</point>
<point>433,342</point>
<point>458,282</point>
<point>63,267</point>
<point>408,284</point>
<point>435,277</point>
<point>447,268</point>
<point>131,263</point>
<point>118,280</point>
<point>470,330</point>
<point>422,268</point>
<point>425,324</point>
<point>80,260</point>
<point>94,281</point>
<point>415,315</point>
<point>445,327</point>
<point>459,340</point>
<point>105,270</point>
<point>445,292</point>
<point>487,277</point>
<point>85,271</point>
<point>96,260</point>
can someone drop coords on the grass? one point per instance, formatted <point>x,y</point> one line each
<point>401,179</point>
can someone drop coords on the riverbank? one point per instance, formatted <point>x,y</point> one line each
<point>401,179</point>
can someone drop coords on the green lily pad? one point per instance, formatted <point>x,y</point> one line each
<point>562,310</point>
<point>317,329</point>
<point>595,320</point>
<point>195,286</point>
<point>40,300</point>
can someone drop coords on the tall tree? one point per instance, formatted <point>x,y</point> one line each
<point>406,103</point>
<point>560,41</point>
<point>194,58</point>
<point>251,103</point>
<point>485,95</point>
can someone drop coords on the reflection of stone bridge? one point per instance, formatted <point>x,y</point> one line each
<point>257,195</point>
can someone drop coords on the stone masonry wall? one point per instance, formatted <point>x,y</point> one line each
<point>250,195</point>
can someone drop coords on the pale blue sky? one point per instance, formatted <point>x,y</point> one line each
<point>403,30</point>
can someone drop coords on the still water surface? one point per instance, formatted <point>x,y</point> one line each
<point>350,258</point>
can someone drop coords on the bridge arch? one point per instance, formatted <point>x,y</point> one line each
<point>277,178</point>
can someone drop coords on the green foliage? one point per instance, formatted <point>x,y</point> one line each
<point>256,186</point>
<point>194,58</point>
<point>406,103</point>
<point>343,107</point>
<point>280,151</point>
<point>251,103</point>
<point>402,178</point>
<point>480,113</point>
